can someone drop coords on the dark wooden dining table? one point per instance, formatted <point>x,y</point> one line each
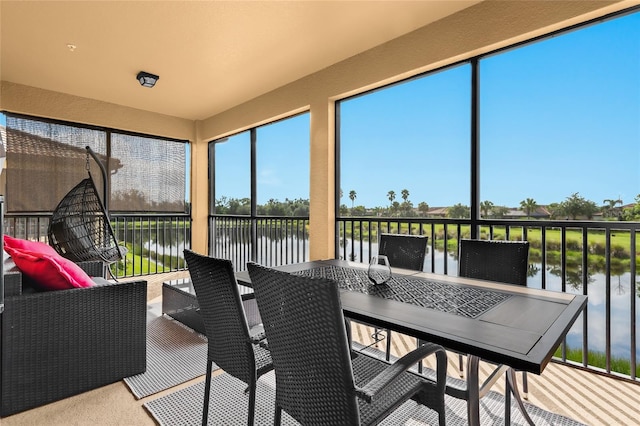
<point>514,326</point>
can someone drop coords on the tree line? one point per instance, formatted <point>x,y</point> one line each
<point>573,207</point>
<point>273,207</point>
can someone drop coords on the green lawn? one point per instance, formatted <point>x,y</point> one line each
<point>139,264</point>
<point>599,360</point>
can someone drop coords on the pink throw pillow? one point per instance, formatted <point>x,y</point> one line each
<point>50,272</point>
<point>32,246</point>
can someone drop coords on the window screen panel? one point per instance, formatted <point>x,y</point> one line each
<point>151,176</point>
<point>45,160</point>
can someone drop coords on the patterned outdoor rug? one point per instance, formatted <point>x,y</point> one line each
<point>175,354</point>
<point>229,404</point>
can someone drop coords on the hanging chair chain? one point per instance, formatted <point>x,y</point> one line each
<point>88,165</point>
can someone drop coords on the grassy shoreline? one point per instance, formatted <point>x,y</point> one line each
<point>598,359</point>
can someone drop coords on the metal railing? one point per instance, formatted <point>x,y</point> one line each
<point>154,242</point>
<point>268,240</point>
<point>599,259</point>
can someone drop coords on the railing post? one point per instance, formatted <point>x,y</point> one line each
<point>632,296</point>
<point>475,149</point>
<point>254,198</point>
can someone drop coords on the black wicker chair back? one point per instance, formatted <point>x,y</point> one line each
<point>315,381</point>
<point>80,229</point>
<point>502,261</point>
<point>404,251</point>
<point>230,344</point>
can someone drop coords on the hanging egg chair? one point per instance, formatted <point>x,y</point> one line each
<point>80,229</point>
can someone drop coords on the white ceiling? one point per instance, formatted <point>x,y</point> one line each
<point>210,55</point>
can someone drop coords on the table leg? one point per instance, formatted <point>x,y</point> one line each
<point>507,401</point>
<point>473,390</point>
<point>512,386</point>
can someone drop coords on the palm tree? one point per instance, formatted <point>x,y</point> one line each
<point>352,197</point>
<point>486,207</point>
<point>528,206</point>
<point>391,195</point>
<point>610,209</point>
<point>406,205</point>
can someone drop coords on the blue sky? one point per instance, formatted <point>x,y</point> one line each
<point>282,162</point>
<point>557,117</point>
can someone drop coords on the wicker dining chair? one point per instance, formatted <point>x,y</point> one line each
<point>403,251</point>
<point>495,260</point>
<point>231,344</point>
<point>317,382</point>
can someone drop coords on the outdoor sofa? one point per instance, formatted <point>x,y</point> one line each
<point>55,344</point>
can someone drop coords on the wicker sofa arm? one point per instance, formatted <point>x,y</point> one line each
<point>60,343</point>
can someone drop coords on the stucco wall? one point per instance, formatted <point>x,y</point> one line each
<point>61,106</point>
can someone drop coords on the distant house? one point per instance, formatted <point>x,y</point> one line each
<point>627,206</point>
<point>438,212</point>
<point>615,213</point>
<point>540,213</point>
<point>515,214</point>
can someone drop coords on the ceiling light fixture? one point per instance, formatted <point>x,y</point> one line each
<point>146,79</point>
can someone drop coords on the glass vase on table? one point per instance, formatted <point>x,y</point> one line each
<point>379,271</point>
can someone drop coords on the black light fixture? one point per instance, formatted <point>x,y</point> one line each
<point>146,79</point>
